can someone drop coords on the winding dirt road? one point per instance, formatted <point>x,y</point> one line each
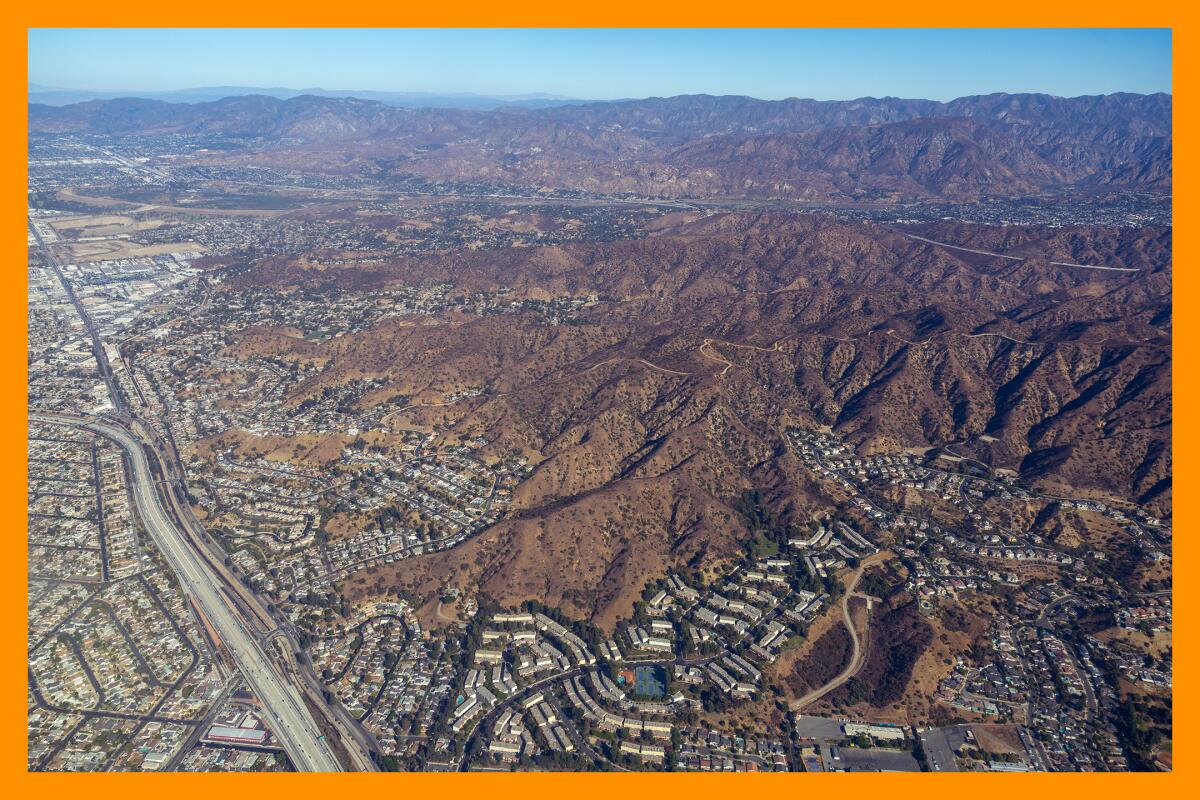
<point>858,653</point>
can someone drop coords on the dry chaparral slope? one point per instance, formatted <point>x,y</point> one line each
<point>654,409</point>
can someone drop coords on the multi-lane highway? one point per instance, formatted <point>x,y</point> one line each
<point>263,624</point>
<point>282,704</point>
<point>97,345</point>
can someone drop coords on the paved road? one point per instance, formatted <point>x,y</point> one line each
<point>98,350</point>
<point>1034,748</point>
<point>1050,608</point>
<point>283,706</point>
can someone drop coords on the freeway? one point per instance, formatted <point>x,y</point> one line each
<point>282,705</point>
<point>358,743</point>
<point>97,346</point>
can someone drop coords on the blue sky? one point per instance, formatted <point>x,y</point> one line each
<point>606,64</point>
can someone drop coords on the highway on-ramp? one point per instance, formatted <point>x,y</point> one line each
<point>282,704</point>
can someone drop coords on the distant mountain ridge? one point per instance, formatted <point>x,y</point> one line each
<point>886,149</point>
<point>55,96</point>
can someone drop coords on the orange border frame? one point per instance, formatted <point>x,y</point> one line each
<point>544,13</point>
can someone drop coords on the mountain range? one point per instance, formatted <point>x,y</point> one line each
<point>649,415</point>
<point>55,96</point>
<point>696,146</point>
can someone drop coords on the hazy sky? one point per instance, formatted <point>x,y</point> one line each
<point>608,64</point>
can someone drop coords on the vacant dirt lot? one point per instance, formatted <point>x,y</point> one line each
<point>123,248</point>
<point>998,739</point>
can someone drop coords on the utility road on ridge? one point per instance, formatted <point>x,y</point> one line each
<point>1016,258</point>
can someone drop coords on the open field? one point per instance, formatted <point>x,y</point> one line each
<point>109,249</point>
